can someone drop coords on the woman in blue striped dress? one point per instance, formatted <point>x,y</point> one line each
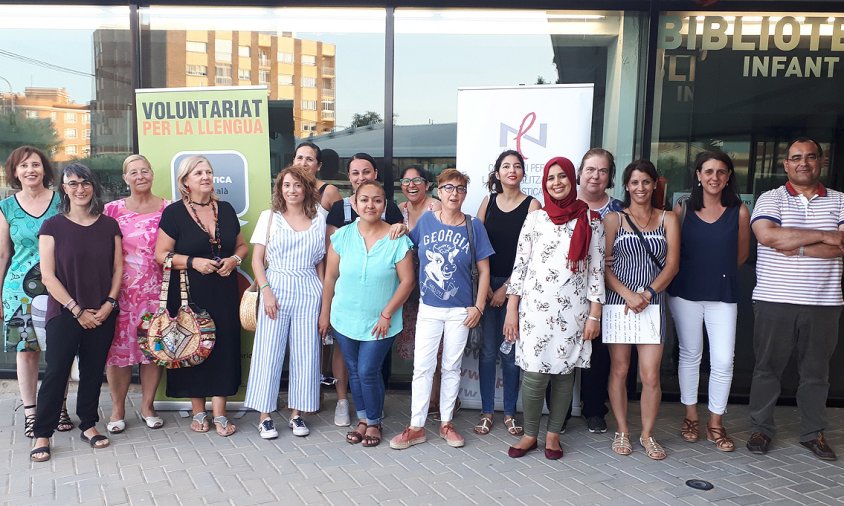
<point>645,245</point>
<point>291,294</point>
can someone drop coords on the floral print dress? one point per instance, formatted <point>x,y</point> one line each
<point>141,286</point>
<point>554,301</point>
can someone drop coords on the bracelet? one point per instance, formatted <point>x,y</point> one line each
<point>479,310</point>
<point>71,307</point>
<point>384,316</point>
<point>653,292</point>
<point>69,304</point>
<point>239,260</point>
<point>594,318</point>
<point>189,263</point>
<point>263,286</point>
<point>77,315</point>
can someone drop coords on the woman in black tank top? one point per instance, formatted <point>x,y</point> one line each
<point>309,155</point>
<point>503,214</point>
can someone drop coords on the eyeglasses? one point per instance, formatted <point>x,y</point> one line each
<point>811,157</point>
<point>85,184</point>
<point>416,180</point>
<point>449,188</point>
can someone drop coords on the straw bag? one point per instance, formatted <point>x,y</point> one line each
<point>250,299</point>
<point>183,341</point>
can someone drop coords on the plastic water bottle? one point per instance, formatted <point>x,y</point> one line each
<point>506,347</point>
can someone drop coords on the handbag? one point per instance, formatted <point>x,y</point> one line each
<point>183,341</point>
<point>251,297</point>
<point>476,333</point>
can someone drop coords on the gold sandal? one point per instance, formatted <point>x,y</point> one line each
<point>484,425</point>
<point>512,428</point>
<point>690,431</point>
<point>621,443</point>
<point>653,449</point>
<point>718,435</point>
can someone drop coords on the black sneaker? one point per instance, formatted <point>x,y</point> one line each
<point>758,443</point>
<point>820,448</point>
<point>596,424</point>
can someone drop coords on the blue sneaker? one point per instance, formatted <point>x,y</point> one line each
<point>266,429</point>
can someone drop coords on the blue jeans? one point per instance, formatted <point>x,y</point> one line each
<point>493,336</point>
<point>365,359</point>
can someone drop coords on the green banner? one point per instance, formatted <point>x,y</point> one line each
<point>227,125</point>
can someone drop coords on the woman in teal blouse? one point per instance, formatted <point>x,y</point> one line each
<point>368,277</point>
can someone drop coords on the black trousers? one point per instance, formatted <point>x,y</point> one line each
<point>65,340</point>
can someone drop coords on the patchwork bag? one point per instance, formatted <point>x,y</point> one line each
<point>183,341</point>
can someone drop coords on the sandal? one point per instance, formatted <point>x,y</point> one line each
<point>116,426</point>
<point>690,430</point>
<point>95,440</point>
<point>368,440</point>
<point>621,443</point>
<point>354,437</point>
<point>224,428</point>
<point>200,422</point>
<point>28,422</point>
<point>653,449</point>
<point>512,428</point>
<point>41,449</point>
<point>484,425</point>
<point>718,435</point>
<point>65,423</point>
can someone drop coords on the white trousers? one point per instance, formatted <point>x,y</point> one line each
<point>720,320</point>
<point>432,325</point>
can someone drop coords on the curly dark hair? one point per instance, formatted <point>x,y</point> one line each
<point>302,175</point>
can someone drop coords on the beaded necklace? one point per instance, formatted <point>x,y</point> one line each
<point>216,245</point>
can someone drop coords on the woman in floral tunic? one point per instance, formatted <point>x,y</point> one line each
<point>554,306</point>
<point>138,216</point>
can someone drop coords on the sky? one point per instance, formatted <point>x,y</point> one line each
<point>430,67</point>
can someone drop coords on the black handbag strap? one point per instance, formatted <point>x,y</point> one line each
<point>647,246</point>
<point>471,236</point>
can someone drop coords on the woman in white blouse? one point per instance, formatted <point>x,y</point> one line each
<point>554,307</point>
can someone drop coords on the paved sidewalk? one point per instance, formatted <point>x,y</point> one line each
<point>176,466</point>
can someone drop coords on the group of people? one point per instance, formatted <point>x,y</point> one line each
<point>545,285</point>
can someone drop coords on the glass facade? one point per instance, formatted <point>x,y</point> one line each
<point>745,82</point>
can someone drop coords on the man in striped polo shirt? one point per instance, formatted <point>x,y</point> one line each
<point>797,300</point>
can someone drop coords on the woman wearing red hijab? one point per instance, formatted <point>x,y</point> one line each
<point>554,306</point>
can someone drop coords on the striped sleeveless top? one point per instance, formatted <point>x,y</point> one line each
<point>631,263</point>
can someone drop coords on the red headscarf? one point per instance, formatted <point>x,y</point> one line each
<point>567,209</point>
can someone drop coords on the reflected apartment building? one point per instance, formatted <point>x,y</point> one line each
<point>298,71</point>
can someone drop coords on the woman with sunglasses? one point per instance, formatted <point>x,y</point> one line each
<point>82,269</point>
<point>503,213</point>
<point>447,309</point>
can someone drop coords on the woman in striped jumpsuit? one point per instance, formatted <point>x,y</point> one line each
<point>291,294</point>
<point>645,245</point>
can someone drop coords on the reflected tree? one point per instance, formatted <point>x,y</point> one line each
<point>17,130</point>
<point>367,118</point>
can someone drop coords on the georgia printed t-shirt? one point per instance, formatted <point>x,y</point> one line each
<point>445,270</point>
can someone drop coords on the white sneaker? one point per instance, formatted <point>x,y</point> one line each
<point>298,425</point>
<point>341,413</point>
<point>266,429</point>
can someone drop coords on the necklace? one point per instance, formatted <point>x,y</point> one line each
<point>650,217</point>
<point>201,204</point>
<point>216,246</point>
<point>442,220</point>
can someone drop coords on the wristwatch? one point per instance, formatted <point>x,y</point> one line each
<point>114,305</point>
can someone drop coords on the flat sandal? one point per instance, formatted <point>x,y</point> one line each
<point>484,425</point>
<point>690,431</point>
<point>512,428</point>
<point>718,435</point>
<point>653,449</point>
<point>621,443</point>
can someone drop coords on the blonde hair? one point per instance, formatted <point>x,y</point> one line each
<point>185,168</point>
<point>134,158</point>
<point>304,176</point>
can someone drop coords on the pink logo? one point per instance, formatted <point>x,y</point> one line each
<point>522,132</point>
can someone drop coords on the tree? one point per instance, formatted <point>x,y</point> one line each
<point>367,118</point>
<point>109,170</point>
<point>541,80</point>
<point>17,130</point>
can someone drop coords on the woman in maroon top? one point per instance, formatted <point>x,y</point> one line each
<point>82,267</point>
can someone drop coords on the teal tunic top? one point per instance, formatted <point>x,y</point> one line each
<point>367,282</point>
<point>22,284</point>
